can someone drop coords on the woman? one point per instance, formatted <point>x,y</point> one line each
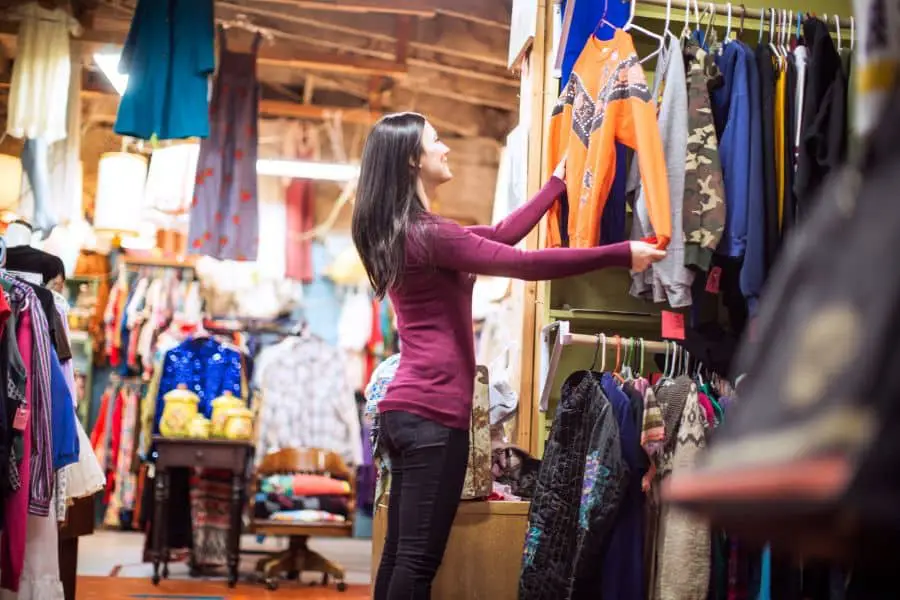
<point>428,265</point>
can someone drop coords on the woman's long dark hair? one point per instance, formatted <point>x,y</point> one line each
<point>387,205</point>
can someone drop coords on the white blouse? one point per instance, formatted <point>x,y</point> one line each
<point>40,79</point>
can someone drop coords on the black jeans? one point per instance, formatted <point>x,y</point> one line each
<point>428,468</point>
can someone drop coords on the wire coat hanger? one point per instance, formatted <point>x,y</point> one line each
<point>629,25</point>
<point>728,23</point>
<point>837,29</point>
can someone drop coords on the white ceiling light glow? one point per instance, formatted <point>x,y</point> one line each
<point>109,64</point>
<point>306,169</point>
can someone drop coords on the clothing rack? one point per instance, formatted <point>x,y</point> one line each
<point>564,337</point>
<point>753,17</point>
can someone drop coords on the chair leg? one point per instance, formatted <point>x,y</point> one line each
<point>319,564</point>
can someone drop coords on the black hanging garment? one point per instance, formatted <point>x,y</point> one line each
<point>765,63</point>
<point>580,487</point>
<point>823,134</point>
<point>808,457</point>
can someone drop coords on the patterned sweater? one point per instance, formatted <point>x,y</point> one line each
<point>605,100</point>
<point>683,540</point>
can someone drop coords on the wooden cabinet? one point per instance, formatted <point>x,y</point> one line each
<point>484,553</point>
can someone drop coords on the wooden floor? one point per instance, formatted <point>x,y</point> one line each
<point>103,588</point>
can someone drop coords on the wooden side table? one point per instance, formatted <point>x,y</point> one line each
<point>210,454</point>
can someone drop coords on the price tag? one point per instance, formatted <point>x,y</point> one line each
<point>672,325</point>
<point>20,422</point>
<point>713,280</point>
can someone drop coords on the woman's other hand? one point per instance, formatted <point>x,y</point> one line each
<point>560,171</point>
<point>643,255</point>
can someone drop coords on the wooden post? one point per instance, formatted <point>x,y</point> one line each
<point>537,62</point>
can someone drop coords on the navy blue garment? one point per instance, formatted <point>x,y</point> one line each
<point>753,269</point>
<point>612,223</point>
<point>62,417</point>
<point>623,561</point>
<point>731,113</point>
<point>168,55</point>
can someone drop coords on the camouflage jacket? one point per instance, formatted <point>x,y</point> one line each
<point>704,191</point>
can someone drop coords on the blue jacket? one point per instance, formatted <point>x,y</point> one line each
<point>168,55</point>
<point>753,271</point>
<point>731,111</point>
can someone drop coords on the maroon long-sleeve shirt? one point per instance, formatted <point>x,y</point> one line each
<point>436,375</point>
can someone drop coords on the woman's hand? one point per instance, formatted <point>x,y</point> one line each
<point>643,255</point>
<point>560,171</point>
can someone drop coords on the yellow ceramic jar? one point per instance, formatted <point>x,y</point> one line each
<point>220,407</point>
<point>239,424</point>
<point>179,409</point>
<point>199,428</point>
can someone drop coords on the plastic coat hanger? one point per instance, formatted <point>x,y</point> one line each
<point>852,32</point>
<point>603,20</point>
<point>728,24</point>
<point>762,26</point>
<point>772,33</point>
<point>711,9</point>
<point>837,28</point>
<point>629,25</point>
<point>617,372</point>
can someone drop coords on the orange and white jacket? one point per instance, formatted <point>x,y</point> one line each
<point>606,100</point>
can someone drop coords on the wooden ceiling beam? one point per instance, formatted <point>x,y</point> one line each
<point>334,63</point>
<point>493,13</point>
<point>344,45</point>
<point>395,7</point>
<point>268,56</point>
<point>366,26</point>
<point>267,108</point>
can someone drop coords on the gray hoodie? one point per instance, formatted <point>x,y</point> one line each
<point>668,279</point>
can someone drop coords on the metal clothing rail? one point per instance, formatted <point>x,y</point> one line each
<point>564,337</point>
<point>741,16</point>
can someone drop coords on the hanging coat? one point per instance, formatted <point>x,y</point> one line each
<point>580,487</point>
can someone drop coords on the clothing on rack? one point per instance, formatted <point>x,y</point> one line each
<point>224,220</point>
<point>47,462</point>
<point>606,98</point>
<point>167,91</point>
<point>704,191</point>
<point>307,402</point>
<point>668,280</point>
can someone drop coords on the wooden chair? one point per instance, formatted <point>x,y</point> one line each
<point>299,557</point>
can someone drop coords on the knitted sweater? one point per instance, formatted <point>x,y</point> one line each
<point>683,540</point>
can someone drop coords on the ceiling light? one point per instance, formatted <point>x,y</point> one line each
<point>305,169</point>
<point>109,64</point>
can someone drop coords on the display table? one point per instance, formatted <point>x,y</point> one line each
<point>484,554</point>
<point>210,454</point>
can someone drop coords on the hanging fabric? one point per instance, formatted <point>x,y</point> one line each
<point>225,212</point>
<point>168,55</point>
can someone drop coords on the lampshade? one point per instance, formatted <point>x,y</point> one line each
<point>119,202</point>
<point>10,182</point>
<point>347,268</point>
